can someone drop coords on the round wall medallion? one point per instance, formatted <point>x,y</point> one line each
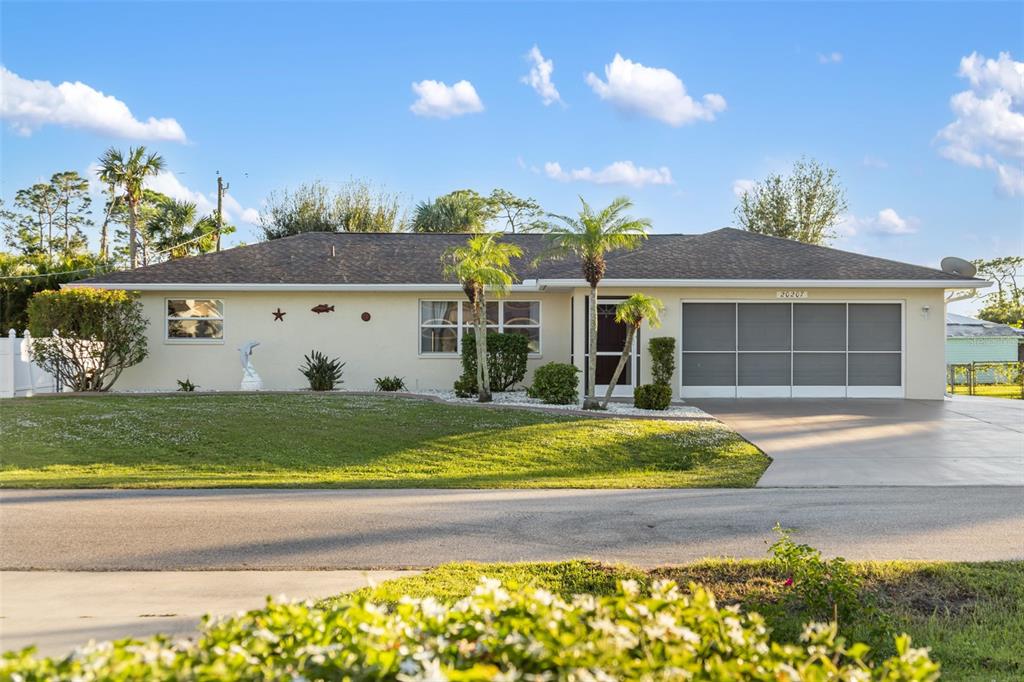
<point>365,317</point>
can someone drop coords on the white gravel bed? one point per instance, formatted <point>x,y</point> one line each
<point>520,399</point>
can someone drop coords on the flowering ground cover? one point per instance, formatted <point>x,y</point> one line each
<point>660,631</point>
<point>970,615</point>
<point>336,440</point>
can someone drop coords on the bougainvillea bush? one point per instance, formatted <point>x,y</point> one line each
<point>493,634</point>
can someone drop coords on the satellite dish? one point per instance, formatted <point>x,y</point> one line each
<point>958,266</point>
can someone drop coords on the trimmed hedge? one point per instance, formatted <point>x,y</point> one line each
<point>506,360</point>
<point>556,383</point>
<point>652,397</point>
<point>493,634</point>
<point>662,350</point>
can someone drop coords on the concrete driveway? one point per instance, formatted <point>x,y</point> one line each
<point>959,441</point>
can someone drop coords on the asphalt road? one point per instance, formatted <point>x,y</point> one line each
<point>318,529</point>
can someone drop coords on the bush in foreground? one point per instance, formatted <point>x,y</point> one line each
<point>87,337</point>
<point>506,361</point>
<point>556,383</point>
<point>492,634</point>
<point>652,397</point>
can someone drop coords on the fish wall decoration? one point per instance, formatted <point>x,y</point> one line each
<point>322,308</point>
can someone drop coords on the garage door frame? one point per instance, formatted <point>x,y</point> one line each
<point>792,391</point>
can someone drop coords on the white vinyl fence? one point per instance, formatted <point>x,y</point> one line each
<point>19,376</point>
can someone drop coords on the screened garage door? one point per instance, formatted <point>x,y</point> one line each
<point>792,350</point>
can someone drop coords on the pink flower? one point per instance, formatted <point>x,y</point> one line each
<point>789,582</point>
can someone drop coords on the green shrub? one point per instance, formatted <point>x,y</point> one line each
<point>323,374</point>
<point>662,350</point>
<point>465,386</point>
<point>495,633</point>
<point>556,383</point>
<point>506,359</point>
<point>99,332</point>
<point>186,386</point>
<point>390,383</point>
<point>652,396</point>
<point>824,589</point>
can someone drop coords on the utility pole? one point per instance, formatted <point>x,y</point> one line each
<point>221,188</point>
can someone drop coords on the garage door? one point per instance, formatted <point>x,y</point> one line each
<point>792,350</point>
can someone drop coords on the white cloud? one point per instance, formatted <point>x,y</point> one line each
<point>742,186</point>
<point>539,77</point>
<point>989,123</point>
<point>830,58</point>
<point>888,223</point>
<point>654,92</point>
<point>166,182</point>
<point>435,99</point>
<point>29,105</point>
<point>618,173</point>
<point>874,162</point>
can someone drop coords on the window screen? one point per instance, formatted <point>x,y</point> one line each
<point>875,326</point>
<point>819,326</point>
<point>764,326</point>
<point>764,369</point>
<point>875,369</point>
<point>709,326</point>
<point>709,369</point>
<point>819,369</point>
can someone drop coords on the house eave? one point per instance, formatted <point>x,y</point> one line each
<point>777,283</point>
<point>532,285</point>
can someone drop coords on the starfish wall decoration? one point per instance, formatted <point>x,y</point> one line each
<point>279,315</point>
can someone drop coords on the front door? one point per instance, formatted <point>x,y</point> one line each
<point>611,338</point>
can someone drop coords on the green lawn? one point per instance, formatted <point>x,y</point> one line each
<point>971,615</point>
<point>332,440</point>
<point>1012,391</point>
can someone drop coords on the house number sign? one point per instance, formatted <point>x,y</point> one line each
<point>790,293</point>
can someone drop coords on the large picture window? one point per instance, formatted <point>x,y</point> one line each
<point>195,319</point>
<point>443,323</point>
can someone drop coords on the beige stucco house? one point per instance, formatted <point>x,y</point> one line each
<point>751,315</point>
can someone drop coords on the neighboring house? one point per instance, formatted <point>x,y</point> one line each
<point>971,340</point>
<point>752,315</point>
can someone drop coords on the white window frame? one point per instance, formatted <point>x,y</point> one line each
<point>791,391</point>
<point>465,324</point>
<point>168,339</point>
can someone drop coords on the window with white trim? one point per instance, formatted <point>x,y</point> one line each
<point>194,319</point>
<point>443,323</point>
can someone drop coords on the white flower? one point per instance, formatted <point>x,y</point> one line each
<point>630,588</point>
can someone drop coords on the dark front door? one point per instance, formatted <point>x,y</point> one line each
<point>611,338</point>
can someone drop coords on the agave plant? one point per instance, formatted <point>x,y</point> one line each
<point>323,373</point>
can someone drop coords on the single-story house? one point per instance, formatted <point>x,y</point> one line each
<point>972,340</point>
<point>752,315</point>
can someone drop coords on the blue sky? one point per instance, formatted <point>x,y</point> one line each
<point>272,95</point>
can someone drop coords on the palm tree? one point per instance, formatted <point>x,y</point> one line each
<point>460,211</point>
<point>482,264</point>
<point>632,312</point>
<point>130,175</point>
<point>172,224</point>
<point>590,236</point>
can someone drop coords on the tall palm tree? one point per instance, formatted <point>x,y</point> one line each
<point>589,236</point>
<point>483,263</point>
<point>130,173</point>
<point>632,312</point>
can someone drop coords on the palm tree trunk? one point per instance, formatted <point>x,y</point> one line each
<point>483,374</point>
<point>132,235</point>
<point>590,402</point>
<point>623,359</point>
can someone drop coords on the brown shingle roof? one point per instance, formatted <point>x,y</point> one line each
<point>408,258</point>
